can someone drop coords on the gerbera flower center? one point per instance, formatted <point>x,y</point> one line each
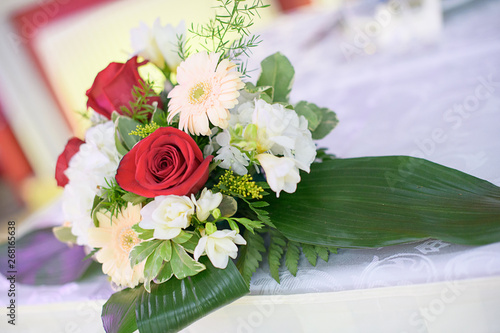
<point>128,239</point>
<point>199,92</point>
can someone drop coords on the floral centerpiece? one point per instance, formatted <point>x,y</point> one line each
<point>172,189</point>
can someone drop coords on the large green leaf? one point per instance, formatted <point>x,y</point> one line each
<point>277,72</point>
<point>175,304</point>
<point>380,201</point>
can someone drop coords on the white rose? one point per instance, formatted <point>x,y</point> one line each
<point>281,173</point>
<point>207,202</point>
<point>219,246</point>
<point>167,215</point>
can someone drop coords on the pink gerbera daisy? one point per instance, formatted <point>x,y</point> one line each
<point>206,91</point>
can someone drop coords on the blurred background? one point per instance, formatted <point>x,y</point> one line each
<point>51,50</point>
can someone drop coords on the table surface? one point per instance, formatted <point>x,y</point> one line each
<point>440,101</point>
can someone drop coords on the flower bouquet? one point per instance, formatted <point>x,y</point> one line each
<point>177,183</point>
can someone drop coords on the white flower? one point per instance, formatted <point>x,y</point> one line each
<point>159,44</point>
<point>207,202</point>
<point>283,132</point>
<point>281,173</point>
<point>219,246</point>
<point>230,157</point>
<point>94,163</point>
<point>167,215</point>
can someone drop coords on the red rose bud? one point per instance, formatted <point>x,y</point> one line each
<point>167,162</point>
<point>112,87</point>
<point>72,147</point>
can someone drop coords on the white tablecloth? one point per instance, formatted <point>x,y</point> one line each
<point>439,101</point>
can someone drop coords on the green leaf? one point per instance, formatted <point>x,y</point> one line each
<point>175,304</point>
<point>310,253</point>
<point>124,126</point>
<point>134,198</point>
<point>278,243</point>
<point>328,122</point>
<point>159,117</point>
<point>64,234</point>
<point>191,244</point>
<point>250,255</point>
<point>306,109</point>
<point>183,265</point>
<point>292,257</point>
<point>322,252</point>
<point>183,237</point>
<point>120,147</point>
<point>165,273</point>
<point>381,201</point>
<point>249,224</point>
<point>118,313</point>
<point>143,250</point>
<point>228,206</point>
<point>165,250</point>
<point>152,268</point>
<point>144,234</point>
<point>277,72</point>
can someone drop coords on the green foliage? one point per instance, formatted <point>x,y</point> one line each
<point>292,257</point>
<point>250,225</point>
<point>310,253</point>
<point>307,110</point>
<point>322,155</point>
<point>321,121</point>
<point>123,126</point>
<point>140,109</point>
<point>250,255</point>
<point>278,73</point>
<point>183,265</point>
<point>382,201</point>
<point>175,304</point>
<point>234,17</point>
<point>327,123</point>
<point>134,198</point>
<point>143,234</point>
<point>275,252</point>
<point>142,251</point>
<point>111,200</point>
<point>64,234</point>
<point>255,212</point>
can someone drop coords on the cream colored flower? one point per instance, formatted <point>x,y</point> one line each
<point>206,91</point>
<point>158,44</point>
<point>281,173</point>
<point>115,238</point>
<point>207,202</point>
<point>167,215</point>
<point>219,246</point>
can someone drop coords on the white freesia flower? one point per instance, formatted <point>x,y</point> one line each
<point>89,169</point>
<point>167,215</point>
<point>207,202</point>
<point>281,173</point>
<point>219,246</point>
<point>158,44</point>
<point>283,132</point>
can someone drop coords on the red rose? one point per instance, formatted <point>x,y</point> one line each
<point>72,147</point>
<point>164,163</point>
<point>112,87</point>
